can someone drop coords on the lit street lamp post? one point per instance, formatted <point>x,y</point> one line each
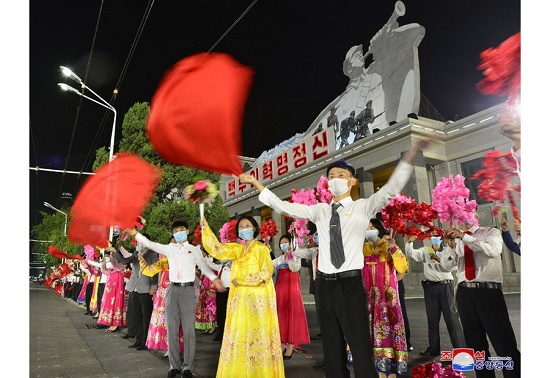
<point>59,211</point>
<point>67,72</point>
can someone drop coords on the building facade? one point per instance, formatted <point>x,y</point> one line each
<point>461,150</point>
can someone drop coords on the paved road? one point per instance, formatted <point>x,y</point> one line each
<point>63,344</point>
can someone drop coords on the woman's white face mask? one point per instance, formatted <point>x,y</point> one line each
<point>338,186</point>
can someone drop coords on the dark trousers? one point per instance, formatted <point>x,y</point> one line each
<point>100,290</point>
<point>317,311</point>
<point>221,311</point>
<point>68,289</point>
<point>130,313</point>
<point>142,308</point>
<point>438,298</point>
<point>89,292</point>
<point>483,312</point>
<point>76,290</point>
<point>401,290</point>
<point>345,319</point>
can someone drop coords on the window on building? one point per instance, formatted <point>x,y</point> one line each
<point>469,168</point>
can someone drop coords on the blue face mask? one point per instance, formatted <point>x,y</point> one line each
<point>371,235</point>
<point>246,233</point>
<point>436,240</point>
<point>180,236</point>
<point>284,247</point>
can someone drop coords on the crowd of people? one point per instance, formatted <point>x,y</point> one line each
<point>251,300</point>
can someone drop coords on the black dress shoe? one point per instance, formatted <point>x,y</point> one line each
<point>135,345</point>
<point>173,373</point>
<point>142,347</point>
<point>127,336</point>
<point>87,313</point>
<point>428,352</point>
<point>187,374</point>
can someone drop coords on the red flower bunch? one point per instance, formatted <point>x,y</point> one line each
<point>434,370</point>
<point>202,191</point>
<point>498,171</point>
<point>502,69</point>
<point>268,229</point>
<point>228,233</point>
<point>450,200</point>
<point>406,217</point>
<point>197,235</point>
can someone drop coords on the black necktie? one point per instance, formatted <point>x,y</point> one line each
<point>336,246</point>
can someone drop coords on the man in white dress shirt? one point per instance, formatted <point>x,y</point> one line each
<point>342,297</point>
<point>438,294</point>
<point>476,251</point>
<point>181,302</point>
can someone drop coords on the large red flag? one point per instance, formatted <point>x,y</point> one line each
<point>115,196</point>
<point>197,111</point>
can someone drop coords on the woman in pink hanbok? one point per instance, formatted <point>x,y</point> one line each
<point>113,303</point>
<point>291,313</point>
<point>382,262</point>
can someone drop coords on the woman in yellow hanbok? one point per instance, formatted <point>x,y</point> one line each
<point>251,345</point>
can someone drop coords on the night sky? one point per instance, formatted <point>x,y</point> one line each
<point>295,47</point>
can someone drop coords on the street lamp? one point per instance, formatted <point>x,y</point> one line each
<point>69,73</point>
<point>59,211</point>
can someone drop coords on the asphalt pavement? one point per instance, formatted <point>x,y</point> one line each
<point>63,342</point>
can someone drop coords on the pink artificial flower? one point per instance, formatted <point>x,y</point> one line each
<point>323,194</point>
<point>450,200</point>
<point>200,185</point>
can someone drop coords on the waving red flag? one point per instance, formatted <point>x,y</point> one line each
<point>197,111</point>
<point>115,196</point>
<point>57,253</point>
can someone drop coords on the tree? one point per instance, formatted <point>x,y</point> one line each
<point>51,229</point>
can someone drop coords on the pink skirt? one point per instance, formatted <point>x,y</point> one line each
<point>113,304</point>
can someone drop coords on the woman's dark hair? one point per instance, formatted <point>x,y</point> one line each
<point>376,223</point>
<point>285,236</point>
<point>254,224</point>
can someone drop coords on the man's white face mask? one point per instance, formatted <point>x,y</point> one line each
<point>338,186</point>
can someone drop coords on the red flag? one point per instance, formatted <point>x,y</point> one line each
<point>197,111</point>
<point>118,192</point>
<point>56,252</point>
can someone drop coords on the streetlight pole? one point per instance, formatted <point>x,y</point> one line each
<point>69,73</point>
<point>59,211</point>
